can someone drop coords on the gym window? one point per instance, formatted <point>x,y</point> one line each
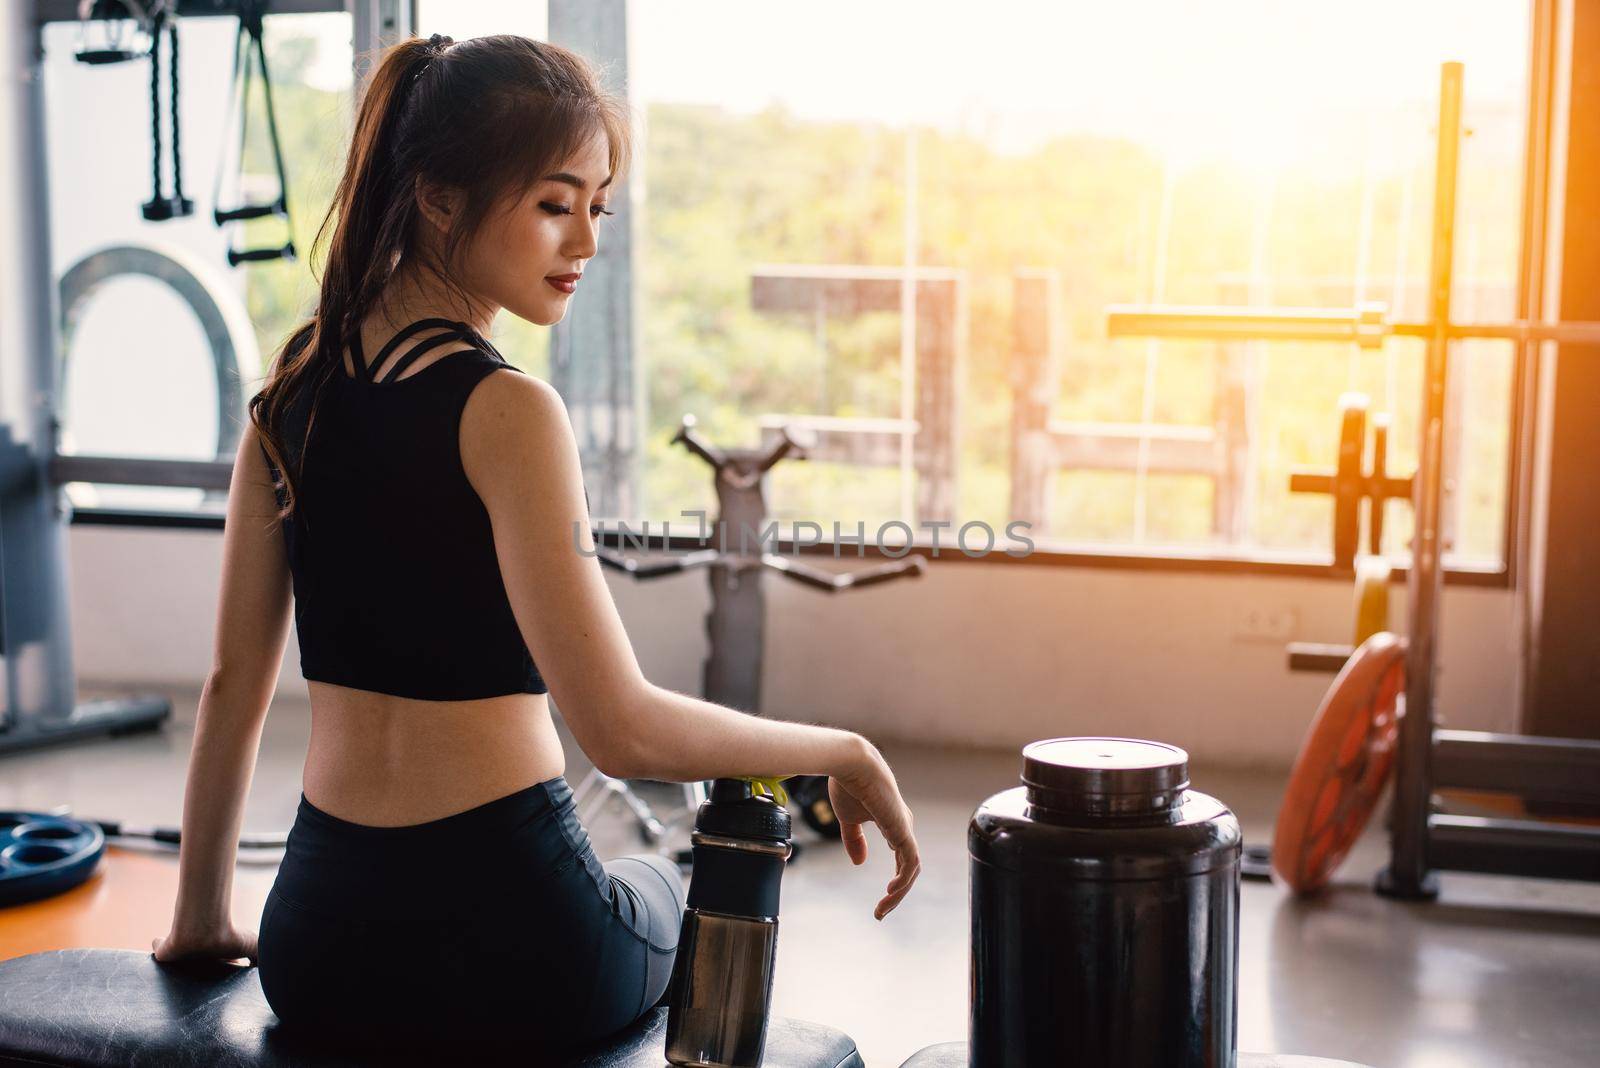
<point>1096,156</point>
<point>1100,151</point>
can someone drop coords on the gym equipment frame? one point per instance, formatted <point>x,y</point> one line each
<point>736,624</point>
<point>1552,770</point>
<point>39,703</point>
<point>232,346</point>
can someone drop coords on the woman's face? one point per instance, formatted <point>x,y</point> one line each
<point>527,254</point>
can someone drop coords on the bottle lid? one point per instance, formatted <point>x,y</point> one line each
<point>734,811</point>
<point>1105,777</point>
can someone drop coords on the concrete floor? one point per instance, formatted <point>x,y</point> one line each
<point>1498,973</point>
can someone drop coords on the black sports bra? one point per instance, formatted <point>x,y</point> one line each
<point>397,587</point>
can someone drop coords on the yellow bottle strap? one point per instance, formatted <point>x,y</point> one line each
<point>772,788</point>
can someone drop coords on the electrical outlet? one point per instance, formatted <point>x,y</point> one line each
<point>1257,624</point>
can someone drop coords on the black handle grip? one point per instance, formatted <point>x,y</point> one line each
<point>248,211</point>
<point>260,255</point>
<point>97,57</point>
<point>160,209</point>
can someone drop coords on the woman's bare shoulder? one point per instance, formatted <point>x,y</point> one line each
<point>512,419</point>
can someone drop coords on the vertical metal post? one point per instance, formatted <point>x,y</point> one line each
<point>33,586</point>
<point>374,26</point>
<point>1408,875</point>
<point>1034,383</point>
<point>40,686</point>
<point>940,335</point>
<point>592,360</point>
<point>1237,389</point>
<point>1538,282</point>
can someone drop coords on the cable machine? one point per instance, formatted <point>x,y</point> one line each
<point>39,702</point>
<point>152,22</point>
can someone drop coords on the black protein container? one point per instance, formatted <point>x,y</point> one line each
<point>721,988</point>
<point>1105,913</point>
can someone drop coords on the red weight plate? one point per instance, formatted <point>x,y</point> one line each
<point>1343,765</point>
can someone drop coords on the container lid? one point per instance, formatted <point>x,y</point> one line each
<point>1105,777</point>
<point>734,811</point>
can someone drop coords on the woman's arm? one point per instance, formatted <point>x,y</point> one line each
<point>684,739</point>
<point>252,628</point>
<point>520,454</point>
<point>221,766</point>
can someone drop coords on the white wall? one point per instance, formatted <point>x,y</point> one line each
<point>972,653</point>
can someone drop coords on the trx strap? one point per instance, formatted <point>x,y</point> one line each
<point>249,40</point>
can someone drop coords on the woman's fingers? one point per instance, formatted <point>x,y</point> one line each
<point>895,826</point>
<point>898,887</point>
<point>874,797</point>
<point>855,841</point>
<point>907,866</point>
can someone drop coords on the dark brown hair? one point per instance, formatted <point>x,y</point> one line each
<point>488,117</point>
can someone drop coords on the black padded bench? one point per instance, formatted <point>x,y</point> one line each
<point>99,1008</point>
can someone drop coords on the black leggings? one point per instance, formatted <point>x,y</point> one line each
<point>492,926</point>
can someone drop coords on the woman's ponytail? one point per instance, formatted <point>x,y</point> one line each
<point>487,116</point>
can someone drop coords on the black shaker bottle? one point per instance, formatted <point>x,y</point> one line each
<point>722,977</point>
<point>1105,913</point>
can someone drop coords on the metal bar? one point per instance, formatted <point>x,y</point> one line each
<point>114,716</point>
<point>128,471</point>
<point>1319,656</point>
<point>131,517</point>
<point>656,568</point>
<point>1343,325</point>
<point>374,26</point>
<point>840,289</point>
<point>832,581</point>
<point>594,350</point>
<point>1533,250</point>
<point>1538,769</point>
<point>67,10</point>
<point>1407,875</point>
<point>1035,381</point>
<point>1575,333</point>
<point>1244,324</point>
<point>1376,488</point>
<point>1514,847</point>
<point>772,424</point>
<point>36,671</point>
<point>1171,449</point>
<point>866,445</point>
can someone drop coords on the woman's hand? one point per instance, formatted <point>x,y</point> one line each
<point>217,942</point>
<point>867,793</point>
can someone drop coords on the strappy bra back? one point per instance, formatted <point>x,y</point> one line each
<point>452,331</point>
<point>397,585</point>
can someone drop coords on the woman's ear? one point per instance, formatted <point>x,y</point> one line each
<point>440,205</point>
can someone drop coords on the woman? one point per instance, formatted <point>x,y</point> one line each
<point>434,530</point>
